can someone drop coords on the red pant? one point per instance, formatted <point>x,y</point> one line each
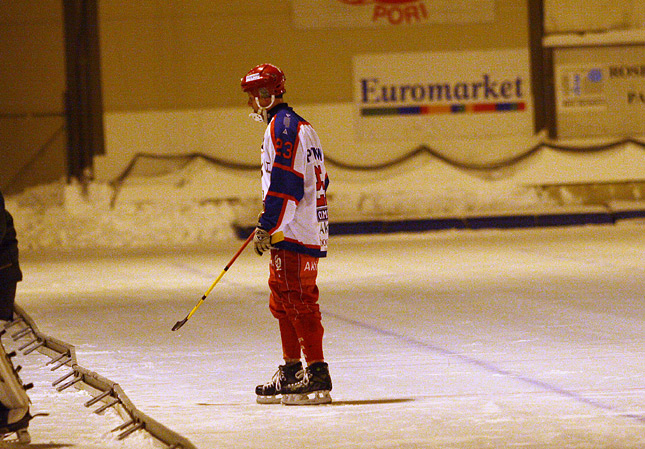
<point>294,302</point>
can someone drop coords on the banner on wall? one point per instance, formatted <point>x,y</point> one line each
<point>581,87</point>
<point>600,91</point>
<point>375,13</point>
<point>468,94</point>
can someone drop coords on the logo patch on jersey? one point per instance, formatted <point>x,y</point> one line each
<point>277,263</point>
<point>322,214</point>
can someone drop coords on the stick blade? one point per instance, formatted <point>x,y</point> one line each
<point>178,324</point>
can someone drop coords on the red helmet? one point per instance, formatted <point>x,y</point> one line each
<point>264,80</point>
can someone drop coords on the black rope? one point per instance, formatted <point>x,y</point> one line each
<point>422,149</point>
<point>489,165</point>
<point>187,158</point>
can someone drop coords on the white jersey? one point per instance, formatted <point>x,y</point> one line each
<point>294,183</point>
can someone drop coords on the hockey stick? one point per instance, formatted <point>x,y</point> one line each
<point>275,238</point>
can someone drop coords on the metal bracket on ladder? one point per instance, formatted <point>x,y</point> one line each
<point>17,319</point>
<point>98,398</point>
<point>112,403</point>
<point>31,349</point>
<point>127,432</point>
<point>21,333</point>
<point>77,378</point>
<point>62,360</point>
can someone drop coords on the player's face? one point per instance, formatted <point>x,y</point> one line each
<point>252,103</point>
<point>264,102</point>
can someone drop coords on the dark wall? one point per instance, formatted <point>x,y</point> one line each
<point>32,69</point>
<point>190,54</point>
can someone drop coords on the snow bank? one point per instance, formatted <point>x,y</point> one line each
<point>71,216</point>
<point>200,204</point>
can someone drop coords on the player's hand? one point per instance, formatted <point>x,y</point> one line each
<point>261,241</point>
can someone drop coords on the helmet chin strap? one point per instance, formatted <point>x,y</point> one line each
<point>261,115</point>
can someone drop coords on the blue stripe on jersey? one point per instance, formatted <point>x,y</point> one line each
<point>285,134</point>
<point>273,209</point>
<point>287,183</point>
<point>295,247</point>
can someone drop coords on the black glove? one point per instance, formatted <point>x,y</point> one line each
<point>261,240</point>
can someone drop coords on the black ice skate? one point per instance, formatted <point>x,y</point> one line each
<point>270,392</point>
<point>313,389</point>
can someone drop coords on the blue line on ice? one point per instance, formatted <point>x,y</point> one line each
<point>487,366</point>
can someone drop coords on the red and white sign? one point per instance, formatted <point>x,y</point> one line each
<point>375,13</point>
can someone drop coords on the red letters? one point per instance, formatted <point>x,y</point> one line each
<point>397,15</point>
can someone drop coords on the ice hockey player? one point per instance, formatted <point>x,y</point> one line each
<point>294,186</point>
<point>14,402</point>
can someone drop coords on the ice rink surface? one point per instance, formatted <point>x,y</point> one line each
<point>456,339</point>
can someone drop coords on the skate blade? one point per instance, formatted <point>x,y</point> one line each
<point>23,436</point>
<point>268,399</point>
<point>15,439</point>
<point>313,398</point>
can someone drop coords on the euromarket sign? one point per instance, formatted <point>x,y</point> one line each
<point>443,95</point>
<point>486,89</point>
